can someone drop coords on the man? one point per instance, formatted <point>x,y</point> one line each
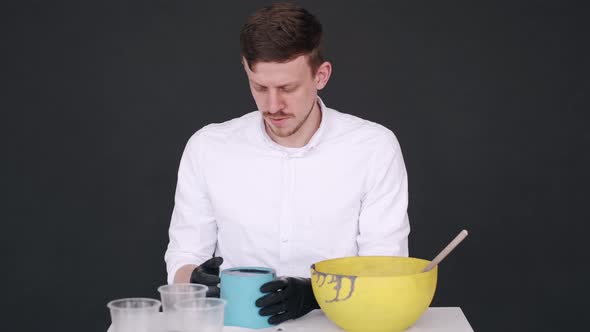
<point>288,185</point>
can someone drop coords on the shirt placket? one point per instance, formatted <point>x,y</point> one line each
<point>287,213</point>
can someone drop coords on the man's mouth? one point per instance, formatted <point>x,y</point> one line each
<point>278,121</point>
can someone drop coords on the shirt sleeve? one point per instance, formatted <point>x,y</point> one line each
<point>193,229</point>
<point>383,221</point>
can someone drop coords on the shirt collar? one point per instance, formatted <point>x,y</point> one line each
<point>313,142</point>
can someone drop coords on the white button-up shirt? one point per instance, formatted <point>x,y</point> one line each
<point>254,202</point>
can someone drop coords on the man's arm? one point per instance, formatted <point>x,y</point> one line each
<point>183,275</point>
<point>193,228</point>
<point>383,220</point>
<point>205,274</point>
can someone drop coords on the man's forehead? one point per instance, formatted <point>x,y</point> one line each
<point>278,72</point>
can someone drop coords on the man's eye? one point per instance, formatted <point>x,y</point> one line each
<point>288,90</point>
<point>260,88</point>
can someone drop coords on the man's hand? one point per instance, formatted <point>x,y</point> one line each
<point>208,274</point>
<point>289,298</point>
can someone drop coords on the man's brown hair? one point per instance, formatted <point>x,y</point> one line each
<point>279,33</point>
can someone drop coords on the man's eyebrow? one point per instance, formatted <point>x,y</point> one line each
<point>290,84</point>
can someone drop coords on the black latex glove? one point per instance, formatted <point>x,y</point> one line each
<point>289,298</point>
<point>208,274</point>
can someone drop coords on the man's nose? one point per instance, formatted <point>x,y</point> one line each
<point>275,102</point>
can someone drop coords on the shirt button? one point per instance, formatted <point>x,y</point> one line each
<point>284,240</point>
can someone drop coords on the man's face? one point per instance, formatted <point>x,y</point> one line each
<point>285,93</point>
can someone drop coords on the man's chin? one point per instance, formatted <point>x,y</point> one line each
<point>278,131</point>
<point>281,132</point>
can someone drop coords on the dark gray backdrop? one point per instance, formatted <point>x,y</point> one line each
<point>488,101</point>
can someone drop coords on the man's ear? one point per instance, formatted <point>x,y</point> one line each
<point>245,65</point>
<point>243,62</point>
<point>322,75</point>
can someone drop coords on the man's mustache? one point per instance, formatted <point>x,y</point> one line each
<point>278,115</point>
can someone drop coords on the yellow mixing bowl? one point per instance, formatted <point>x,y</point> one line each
<point>373,293</point>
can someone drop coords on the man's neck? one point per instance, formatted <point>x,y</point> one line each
<point>305,133</point>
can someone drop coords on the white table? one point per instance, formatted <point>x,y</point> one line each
<point>435,319</point>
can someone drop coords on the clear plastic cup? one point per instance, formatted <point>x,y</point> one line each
<point>174,293</point>
<point>134,314</point>
<point>201,315</point>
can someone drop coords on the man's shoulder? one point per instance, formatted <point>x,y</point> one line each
<point>359,130</point>
<point>237,128</point>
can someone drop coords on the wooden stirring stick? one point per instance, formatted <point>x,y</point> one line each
<point>447,250</point>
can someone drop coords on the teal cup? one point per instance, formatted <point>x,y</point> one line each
<point>240,287</point>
